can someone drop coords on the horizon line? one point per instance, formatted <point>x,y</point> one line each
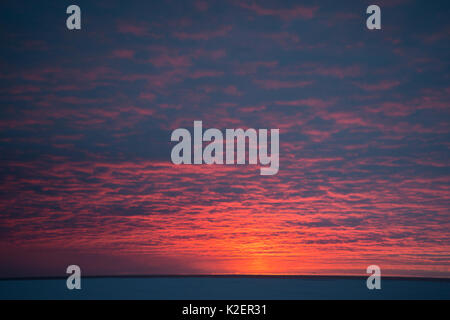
<point>275,276</point>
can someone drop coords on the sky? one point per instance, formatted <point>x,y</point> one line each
<point>86,117</point>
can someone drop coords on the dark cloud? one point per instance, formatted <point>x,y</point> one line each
<point>86,118</point>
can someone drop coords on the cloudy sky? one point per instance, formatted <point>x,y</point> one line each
<point>86,117</point>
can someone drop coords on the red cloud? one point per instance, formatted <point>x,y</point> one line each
<point>206,74</point>
<point>285,14</point>
<point>205,35</point>
<point>123,54</point>
<point>134,29</point>
<point>383,85</point>
<point>310,102</point>
<point>277,84</point>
